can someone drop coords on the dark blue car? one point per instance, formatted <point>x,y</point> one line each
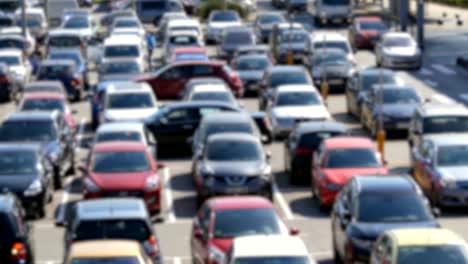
<point>74,55</point>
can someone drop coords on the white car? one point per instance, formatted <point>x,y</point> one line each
<point>127,23</point>
<point>211,92</point>
<point>36,21</point>
<point>323,39</point>
<point>131,104</point>
<point>218,21</point>
<point>295,103</point>
<point>182,38</point>
<point>81,24</point>
<point>17,31</point>
<point>266,249</point>
<point>128,46</point>
<point>18,64</point>
<point>398,50</point>
<point>182,24</point>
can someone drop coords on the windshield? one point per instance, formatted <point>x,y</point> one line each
<point>17,162</point>
<point>232,223</point>
<point>212,129</point>
<point>234,150</point>
<point>271,19</point>
<point>76,22</point>
<point>313,140</point>
<point>43,104</point>
<point>331,58</point>
<point>295,37</point>
<point>121,51</point>
<point>288,77</point>
<point>392,207</point>
<point>397,42</point>
<point>212,96</point>
<point>342,45</point>
<point>130,100</point>
<point>272,260</point>
<point>452,155</point>
<point>120,162</point>
<point>352,158</point>
<point>297,99</point>
<point>10,60</point>
<point>336,2</point>
<point>400,96</point>
<point>75,57</point>
<point>12,43</point>
<point>225,17</point>
<point>118,136</point>
<point>445,124</point>
<point>112,260</point>
<point>126,24</point>
<point>120,67</point>
<point>244,38</point>
<point>368,81</point>
<point>453,254</point>
<point>253,64</point>
<point>64,41</point>
<point>372,25</point>
<point>113,229</point>
<point>183,40</point>
<point>35,131</point>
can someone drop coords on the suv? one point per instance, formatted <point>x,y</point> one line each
<point>16,241</point>
<point>65,71</point>
<point>111,218</point>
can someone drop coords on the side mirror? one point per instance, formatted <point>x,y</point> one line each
<point>436,212</point>
<point>294,231</point>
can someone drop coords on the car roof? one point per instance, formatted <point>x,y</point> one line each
<point>19,146</point>
<point>253,56</point>
<point>209,62</point>
<point>237,29</point>
<point>375,71</point>
<point>440,109</point>
<point>392,86</point>
<point>286,25</point>
<point>111,208</point>
<point>239,202</point>
<point>227,117</point>
<point>296,88</point>
<point>269,246</point>
<point>327,36</point>
<point>425,237</point>
<point>121,127</point>
<point>215,87</point>
<point>104,248</point>
<point>138,88</point>
<point>448,139</point>
<point>385,184</point>
<point>115,146</point>
<point>244,48</point>
<point>63,32</point>
<point>317,126</point>
<point>184,104</point>
<point>396,35</point>
<point>122,40</point>
<point>183,22</point>
<point>348,142</point>
<point>184,32</point>
<point>44,95</point>
<point>30,115</point>
<point>11,52</point>
<point>232,136</point>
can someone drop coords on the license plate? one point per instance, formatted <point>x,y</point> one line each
<point>335,82</point>
<point>402,125</point>
<point>236,190</point>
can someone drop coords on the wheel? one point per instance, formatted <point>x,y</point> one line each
<point>58,181</point>
<point>293,180</point>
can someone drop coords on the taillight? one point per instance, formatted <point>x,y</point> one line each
<point>152,246</point>
<point>236,80</point>
<point>303,151</point>
<point>18,251</point>
<point>75,82</point>
<point>4,80</point>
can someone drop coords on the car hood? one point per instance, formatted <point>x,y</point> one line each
<point>370,231</point>
<point>250,75</point>
<point>81,32</point>
<point>401,51</point>
<point>399,110</point>
<point>223,244</point>
<point>236,168</point>
<point>457,173</point>
<point>341,176</point>
<point>16,183</point>
<point>316,111</point>
<point>120,181</point>
<point>336,69</point>
<point>131,114</point>
<point>118,77</point>
<point>220,25</point>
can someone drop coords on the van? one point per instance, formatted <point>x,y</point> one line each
<point>56,8</point>
<point>151,11</point>
<point>331,11</point>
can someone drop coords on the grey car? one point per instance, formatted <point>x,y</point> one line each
<point>232,39</point>
<point>251,69</point>
<point>264,24</point>
<point>121,69</point>
<point>295,41</point>
<point>398,50</point>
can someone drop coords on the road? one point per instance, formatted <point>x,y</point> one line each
<point>439,79</point>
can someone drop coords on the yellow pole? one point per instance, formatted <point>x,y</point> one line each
<point>381,142</point>
<point>324,88</point>
<point>290,59</point>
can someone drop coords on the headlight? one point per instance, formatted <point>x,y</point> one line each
<point>362,243</point>
<point>90,186</point>
<point>215,255</point>
<point>152,184</point>
<point>448,183</point>
<point>34,189</point>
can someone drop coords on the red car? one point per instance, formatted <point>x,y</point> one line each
<point>48,101</point>
<point>365,31</point>
<point>221,219</point>
<point>123,169</point>
<point>189,54</point>
<point>337,160</point>
<point>168,82</point>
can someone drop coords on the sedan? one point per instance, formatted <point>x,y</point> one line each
<point>295,41</point>
<point>264,22</point>
<point>365,31</point>
<point>219,20</point>
<point>251,69</point>
<point>75,55</point>
<point>65,71</point>
<point>398,50</point>
<point>232,39</point>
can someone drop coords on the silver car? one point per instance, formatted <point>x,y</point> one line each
<point>398,50</point>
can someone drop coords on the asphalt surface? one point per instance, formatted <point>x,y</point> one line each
<point>439,79</point>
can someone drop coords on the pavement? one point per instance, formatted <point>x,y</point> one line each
<point>439,79</point>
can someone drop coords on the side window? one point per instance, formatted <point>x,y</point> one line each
<point>178,115</point>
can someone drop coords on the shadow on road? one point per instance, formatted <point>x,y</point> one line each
<point>185,207</point>
<point>182,182</point>
<point>307,207</point>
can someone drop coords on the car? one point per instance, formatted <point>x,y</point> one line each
<point>166,17</point>
<point>264,22</point>
<point>178,39</point>
<point>330,40</point>
<point>365,31</point>
<point>17,239</point>
<point>302,142</point>
<point>367,206</point>
<point>232,38</point>
<point>128,104</point>
<point>362,82</point>
<point>123,168</point>
<point>113,250</point>
<point>211,92</point>
<point>126,46</point>
<point>276,248</point>
<point>9,88</point>
<point>123,69</point>
<point>221,219</point>
<point>27,173</point>
<point>337,160</point>
<point>111,218</point>
<point>48,101</point>
<point>251,69</point>
<point>217,21</point>
<point>127,23</point>
<point>36,22</point>
<point>108,19</point>
<point>183,24</point>
<point>194,82</point>
<point>232,164</point>
<point>18,42</point>
<point>29,42</point>
<point>188,54</point>
<point>281,75</point>
<point>399,51</point>
<point>222,123</point>
<point>432,118</point>
<point>394,103</point>
<point>126,131</point>
<point>50,131</point>
<point>81,24</point>
<point>252,50</point>
<point>164,86</point>
<point>296,5</point>
<point>18,64</point>
<point>173,124</point>
<point>416,245</point>
<point>292,41</point>
<point>293,104</point>
<point>60,39</point>
<point>65,71</point>
<point>264,125</point>
<point>76,56</point>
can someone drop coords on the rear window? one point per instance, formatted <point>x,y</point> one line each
<point>43,104</point>
<point>113,229</point>
<point>52,71</point>
<point>64,41</point>
<point>313,140</point>
<point>118,136</point>
<point>122,51</point>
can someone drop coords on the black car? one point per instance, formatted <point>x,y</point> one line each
<point>264,24</point>
<point>8,86</point>
<point>233,38</point>
<point>302,142</point>
<point>296,5</point>
<point>65,71</point>
<point>281,75</point>
<point>332,65</point>
<point>251,69</point>
<point>367,206</point>
<point>361,83</point>
<point>172,125</point>
<point>264,125</point>
<point>16,241</point>
<point>27,173</point>
<point>51,131</point>
<point>232,164</point>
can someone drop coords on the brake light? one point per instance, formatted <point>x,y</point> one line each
<point>303,151</point>
<point>4,80</point>
<point>75,82</point>
<point>152,246</point>
<point>18,251</point>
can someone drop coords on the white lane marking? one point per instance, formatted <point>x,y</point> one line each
<point>177,260</point>
<point>443,69</point>
<point>430,83</point>
<point>425,72</point>
<point>440,98</point>
<point>168,193</point>
<point>282,202</point>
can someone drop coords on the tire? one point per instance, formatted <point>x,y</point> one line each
<point>58,180</point>
<point>200,200</point>
<point>41,212</point>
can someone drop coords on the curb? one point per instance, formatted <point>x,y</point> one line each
<point>462,61</point>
